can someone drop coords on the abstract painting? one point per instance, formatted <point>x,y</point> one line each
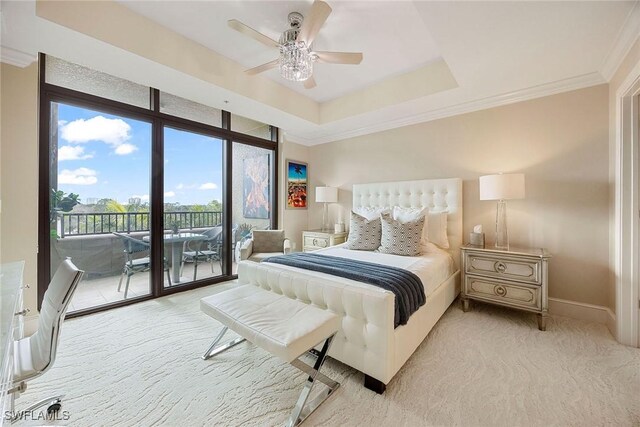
<point>256,203</point>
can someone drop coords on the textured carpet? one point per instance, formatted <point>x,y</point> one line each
<point>140,366</point>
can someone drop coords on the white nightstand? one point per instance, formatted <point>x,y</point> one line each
<point>515,278</point>
<point>312,240</point>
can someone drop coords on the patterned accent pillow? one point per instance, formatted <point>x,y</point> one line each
<point>268,240</point>
<point>401,238</point>
<point>364,234</point>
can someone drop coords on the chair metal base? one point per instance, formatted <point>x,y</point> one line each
<point>53,404</point>
<point>304,407</point>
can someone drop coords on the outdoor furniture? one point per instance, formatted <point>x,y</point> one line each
<point>203,250</point>
<point>263,244</point>
<point>133,265</point>
<point>177,240</point>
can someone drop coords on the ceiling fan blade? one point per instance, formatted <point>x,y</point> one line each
<point>314,21</point>
<point>248,31</point>
<point>310,83</point>
<point>263,67</point>
<point>339,57</point>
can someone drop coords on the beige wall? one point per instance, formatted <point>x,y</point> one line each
<point>19,171</point>
<point>623,71</point>
<point>293,221</point>
<point>560,142</point>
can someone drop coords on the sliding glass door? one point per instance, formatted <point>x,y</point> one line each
<point>99,202</point>
<point>193,228</point>
<point>147,192</point>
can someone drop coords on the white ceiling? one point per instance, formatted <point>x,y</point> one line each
<point>498,53</point>
<point>392,36</point>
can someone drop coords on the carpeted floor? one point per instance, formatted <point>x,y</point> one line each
<point>141,366</point>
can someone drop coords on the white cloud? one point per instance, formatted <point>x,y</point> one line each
<point>124,149</point>
<point>114,132</point>
<point>68,152</point>
<point>99,128</point>
<point>208,186</point>
<point>169,194</point>
<point>143,197</point>
<point>80,176</point>
<point>180,186</point>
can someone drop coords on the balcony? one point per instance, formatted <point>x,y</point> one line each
<point>88,239</point>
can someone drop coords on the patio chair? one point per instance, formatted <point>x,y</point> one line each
<point>196,251</point>
<point>133,265</point>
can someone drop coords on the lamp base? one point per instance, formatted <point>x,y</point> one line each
<point>325,218</point>
<point>502,236</point>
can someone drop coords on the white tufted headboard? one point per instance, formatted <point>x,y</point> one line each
<point>436,194</point>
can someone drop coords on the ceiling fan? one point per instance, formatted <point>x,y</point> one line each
<point>296,54</point>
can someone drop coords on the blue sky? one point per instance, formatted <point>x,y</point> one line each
<point>106,156</point>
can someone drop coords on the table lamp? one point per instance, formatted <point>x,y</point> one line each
<point>326,195</point>
<point>502,187</point>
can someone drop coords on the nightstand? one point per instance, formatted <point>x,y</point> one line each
<point>312,240</point>
<point>516,278</point>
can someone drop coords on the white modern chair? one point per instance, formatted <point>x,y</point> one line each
<point>34,355</point>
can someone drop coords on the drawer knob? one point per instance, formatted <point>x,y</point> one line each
<point>500,267</point>
<point>500,291</point>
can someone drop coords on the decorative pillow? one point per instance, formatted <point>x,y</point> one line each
<point>412,214</point>
<point>268,240</point>
<point>364,234</point>
<point>400,238</point>
<point>437,229</point>
<point>370,212</point>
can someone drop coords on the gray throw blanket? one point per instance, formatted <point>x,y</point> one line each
<point>405,285</point>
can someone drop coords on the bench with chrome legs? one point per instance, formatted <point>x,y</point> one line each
<point>282,326</point>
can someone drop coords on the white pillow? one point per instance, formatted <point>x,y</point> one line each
<point>411,214</point>
<point>370,212</point>
<point>437,232</point>
<point>435,225</point>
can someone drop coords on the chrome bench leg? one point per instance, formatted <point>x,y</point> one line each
<point>303,408</point>
<point>212,351</point>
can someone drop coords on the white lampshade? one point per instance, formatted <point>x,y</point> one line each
<point>326,195</point>
<point>502,186</point>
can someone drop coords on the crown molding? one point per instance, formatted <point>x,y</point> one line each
<point>565,85</point>
<point>16,57</point>
<point>627,36</point>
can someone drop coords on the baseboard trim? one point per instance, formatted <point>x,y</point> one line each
<point>583,311</point>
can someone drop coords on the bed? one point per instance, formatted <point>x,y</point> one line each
<point>367,339</point>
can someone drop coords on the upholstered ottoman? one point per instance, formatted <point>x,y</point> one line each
<point>282,326</point>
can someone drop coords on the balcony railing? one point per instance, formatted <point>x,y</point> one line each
<point>82,224</point>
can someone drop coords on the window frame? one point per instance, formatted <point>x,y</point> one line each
<point>49,93</point>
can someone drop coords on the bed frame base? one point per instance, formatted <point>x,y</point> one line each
<point>374,384</point>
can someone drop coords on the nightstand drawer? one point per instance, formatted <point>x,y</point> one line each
<point>525,270</point>
<point>503,293</point>
<point>317,242</point>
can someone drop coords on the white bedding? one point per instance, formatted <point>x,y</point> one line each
<point>433,267</point>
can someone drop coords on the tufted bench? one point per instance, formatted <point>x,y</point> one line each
<point>282,326</point>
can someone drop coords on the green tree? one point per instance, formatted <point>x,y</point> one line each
<point>214,206</point>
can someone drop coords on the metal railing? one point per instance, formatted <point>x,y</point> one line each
<point>82,224</point>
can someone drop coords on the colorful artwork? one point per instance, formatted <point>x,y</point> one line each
<point>297,181</point>
<point>256,188</point>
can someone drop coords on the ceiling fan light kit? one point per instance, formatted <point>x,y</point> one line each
<point>296,58</point>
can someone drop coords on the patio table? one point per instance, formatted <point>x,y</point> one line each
<point>177,241</point>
